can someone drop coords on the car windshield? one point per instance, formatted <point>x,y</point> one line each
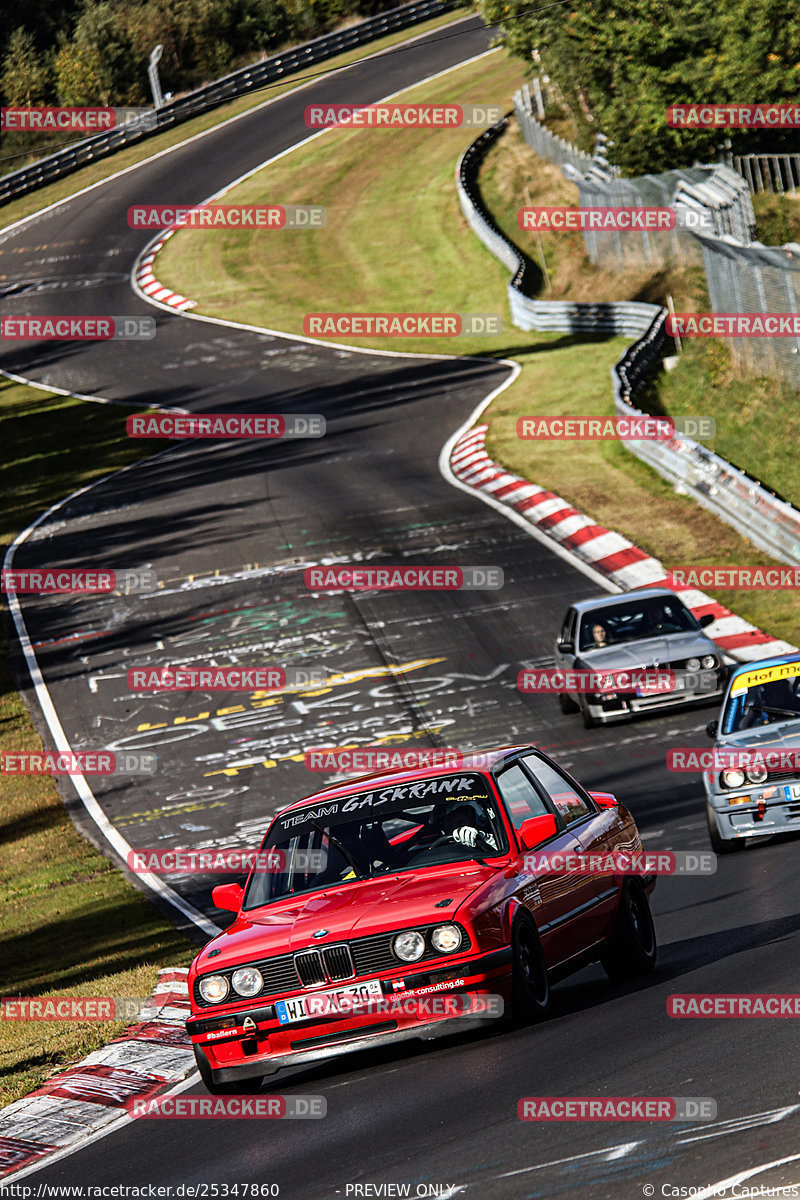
<point>760,700</point>
<point>417,824</point>
<point>645,617</point>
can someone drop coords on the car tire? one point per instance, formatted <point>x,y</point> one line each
<point>719,844</point>
<point>530,982</point>
<point>631,950</point>
<point>241,1087</point>
<point>589,722</point>
<point>567,704</point>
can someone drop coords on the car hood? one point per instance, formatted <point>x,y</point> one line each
<point>670,648</point>
<point>354,910</point>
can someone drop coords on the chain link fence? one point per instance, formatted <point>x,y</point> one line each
<point>715,226</point>
<point>757,513</point>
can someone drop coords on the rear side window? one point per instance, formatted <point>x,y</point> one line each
<point>568,802</point>
<point>520,796</point>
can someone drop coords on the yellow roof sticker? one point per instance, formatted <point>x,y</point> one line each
<point>765,675</point>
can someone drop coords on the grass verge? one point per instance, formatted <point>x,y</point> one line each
<point>70,924</point>
<point>384,188</point>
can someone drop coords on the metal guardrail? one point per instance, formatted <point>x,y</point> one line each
<point>539,315</point>
<point>239,83</point>
<point>715,226</point>
<point>770,522</point>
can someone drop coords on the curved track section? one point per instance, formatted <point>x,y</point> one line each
<point>228,529</point>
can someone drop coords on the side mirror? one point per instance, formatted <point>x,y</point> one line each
<point>564,647</point>
<point>706,620</point>
<point>228,896</point>
<point>536,830</point>
<point>712,728</point>
<point>604,799</point>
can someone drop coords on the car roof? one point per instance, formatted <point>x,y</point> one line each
<point>491,757</point>
<point>759,663</point>
<point>583,606</point>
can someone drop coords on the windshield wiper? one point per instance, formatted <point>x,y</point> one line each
<point>337,845</point>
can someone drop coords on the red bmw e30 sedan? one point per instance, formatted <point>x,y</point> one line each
<point>406,904</point>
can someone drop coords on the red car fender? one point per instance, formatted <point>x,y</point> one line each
<point>509,916</point>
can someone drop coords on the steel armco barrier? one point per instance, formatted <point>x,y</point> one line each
<point>239,83</point>
<point>731,494</point>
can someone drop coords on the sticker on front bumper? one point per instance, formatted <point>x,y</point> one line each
<point>326,1004</point>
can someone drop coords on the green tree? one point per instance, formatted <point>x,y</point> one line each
<point>25,77</point>
<point>619,68</point>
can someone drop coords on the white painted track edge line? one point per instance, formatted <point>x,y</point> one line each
<point>447,473</point>
<point>79,782</point>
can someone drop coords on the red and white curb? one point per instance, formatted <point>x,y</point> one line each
<point>148,283</point>
<point>604,550</point>
<point>147,1057</point>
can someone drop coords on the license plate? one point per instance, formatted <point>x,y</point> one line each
<point>680,686</point>
<point>793,791</point>
<point>325,1004</point>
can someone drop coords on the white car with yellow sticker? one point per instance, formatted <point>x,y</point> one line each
<point>753,785</point>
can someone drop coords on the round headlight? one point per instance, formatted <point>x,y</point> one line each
<point>213,988</point>
<point>409,946</point>
<point>247,981</point>
<point>446,938</point>
<point>708,661</point>
<point>693,664</point>
<point>733,777</point>
<point>757,774</point>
